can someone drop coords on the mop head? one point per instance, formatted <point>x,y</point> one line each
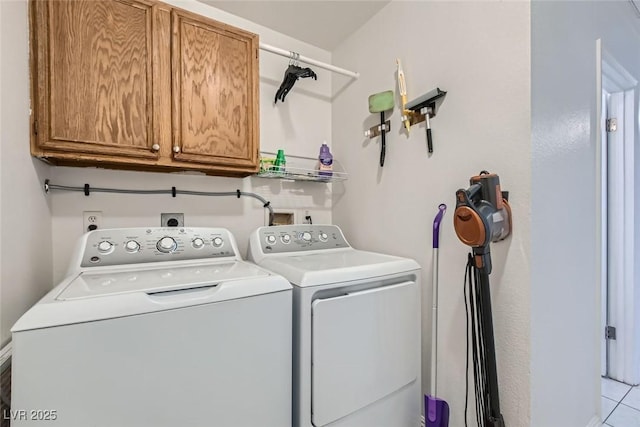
<point>379,102</point>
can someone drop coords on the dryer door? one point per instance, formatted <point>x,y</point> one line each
<point>366,345</point>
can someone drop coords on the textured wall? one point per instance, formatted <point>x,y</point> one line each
<point>479,53</point>
<point>25,215</point>
<point>565,292</point>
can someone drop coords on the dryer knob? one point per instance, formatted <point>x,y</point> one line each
<point>217,242</point>
<point>306,236</point>
<point>197,243</point>
<point>286,239</point>
<point>323,236</point>
<point>271,240</point>
<point>166,245</point>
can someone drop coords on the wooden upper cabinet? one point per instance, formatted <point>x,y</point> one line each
<point>215,92</point>
<point>139,84</point>
<point>92,79</point>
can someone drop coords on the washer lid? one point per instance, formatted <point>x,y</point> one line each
<point>152,281</point>
<point>326,267</point>
<point>111,293</point>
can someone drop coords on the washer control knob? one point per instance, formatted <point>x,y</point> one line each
<point>271,240</point>
<point>105,247</point>
<point>306,236</point>
<point>286,239</point>
<point>217,242</point>
<point>166,245</point>
<point>132,246</point>
<point>197,243</point>
<point>323,236</point>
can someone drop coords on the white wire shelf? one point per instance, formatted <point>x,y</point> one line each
<point>299,168</point>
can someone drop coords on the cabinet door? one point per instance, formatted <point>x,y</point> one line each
<point>215,92</point>
<point>92,79</point>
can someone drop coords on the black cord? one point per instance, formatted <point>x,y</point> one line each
<point>476,345</point>
<point>467,274</point>
<point>173,191</point>
<point>478,339</point>
<point>476,349</point>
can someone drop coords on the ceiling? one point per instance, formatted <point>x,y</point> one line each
<point>321,23</point>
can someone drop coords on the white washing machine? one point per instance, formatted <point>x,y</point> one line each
<point>356,328</point>
<point>156,327</point>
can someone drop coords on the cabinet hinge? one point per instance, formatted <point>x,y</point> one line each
<point>610,333</point>
<point>612,125</point>
<point>35,127</point>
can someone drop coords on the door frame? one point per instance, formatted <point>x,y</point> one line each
<point>617,304</point>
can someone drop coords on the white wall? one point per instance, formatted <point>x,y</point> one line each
<point>25,217</point>
<point>565,331</point>
<point>299,126</point>
<point>480,53</point>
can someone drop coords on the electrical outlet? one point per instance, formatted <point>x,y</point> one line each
<point>171,220</point>
<point>91,220</point>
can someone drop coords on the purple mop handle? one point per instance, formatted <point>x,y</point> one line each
<point>436,225</point>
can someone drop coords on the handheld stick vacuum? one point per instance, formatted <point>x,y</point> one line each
<point>482,216</point>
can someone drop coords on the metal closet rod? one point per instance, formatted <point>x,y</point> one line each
<point>87,189</point>
<point>298,57</point>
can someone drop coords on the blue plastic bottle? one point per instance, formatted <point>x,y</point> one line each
<point>325,161</point>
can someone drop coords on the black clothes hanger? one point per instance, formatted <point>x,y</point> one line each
<point>291,75</point>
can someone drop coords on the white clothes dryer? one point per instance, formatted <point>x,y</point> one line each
<point>356,328</point>
<point>156,327</point>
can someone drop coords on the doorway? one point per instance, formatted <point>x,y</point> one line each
<point>620,339</point>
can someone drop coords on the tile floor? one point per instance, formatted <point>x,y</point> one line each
<point>620,404</point>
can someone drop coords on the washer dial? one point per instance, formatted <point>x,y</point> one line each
<point>105,247</point>
<point>132,246</point>
<point>166,245</point>
<point>286,239</point>
<point>217,242</point>
<point>271,240</point>
<point>197,243</point>
<point>323,236</point>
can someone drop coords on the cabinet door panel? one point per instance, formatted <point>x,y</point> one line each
<point>215,101</point>
<point>94,67</point>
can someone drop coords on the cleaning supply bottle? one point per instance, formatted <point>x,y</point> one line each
<point>280,164</point>
<point>325,161</point>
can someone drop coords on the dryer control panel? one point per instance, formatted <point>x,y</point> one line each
<point>122,246</point>
<point>298,237</point>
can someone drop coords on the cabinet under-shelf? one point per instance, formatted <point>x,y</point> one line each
<point>299,168</point>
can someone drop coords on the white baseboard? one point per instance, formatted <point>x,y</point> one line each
<point>595,422</point>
